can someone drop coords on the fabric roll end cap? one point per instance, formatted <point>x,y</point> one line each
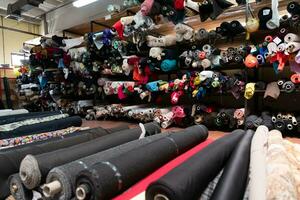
<point>82,192</point>
<point>160,197</point>
<point>52,188</point>
<point>30,173</point>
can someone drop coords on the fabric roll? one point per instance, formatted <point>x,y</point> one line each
<point>206,195</point>
<point>281,183</point>
<point>235,171</point>
<point>280,125</point>
<point>34,168</point>
<point>66,174</point>
<point>258,155</point>
<point>9,112</point>
<point>16,118</point>
<point>42,127</point>
<point>267,120</point>
<point>13,142</point>
<point>10,159</point>
<point>106,179</point>
<point>199,171</point>
<point>12,126</point>
<point>139,188</point>
<point>17,189</point>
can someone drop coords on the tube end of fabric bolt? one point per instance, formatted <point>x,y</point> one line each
<point>82,192</point>
<point>29,172</point>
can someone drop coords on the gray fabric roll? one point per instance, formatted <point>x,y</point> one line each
<point>17,189</point>
<point>66,174</point>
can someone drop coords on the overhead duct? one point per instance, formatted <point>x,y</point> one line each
<point>14,10</point>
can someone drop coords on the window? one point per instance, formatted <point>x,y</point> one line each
<point>18,58</point>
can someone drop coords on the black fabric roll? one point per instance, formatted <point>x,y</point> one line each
<point>42,127</point>
<point>17,189</point>
<point>235,171</point>
<point>189,180</point>
<point>66,174</point>
<point>267,120</point>
<point>10,159</point>
<point>34,169</point>
<point>280,125</point>
<point>106,179</point>
<point>250,122</point>
<point>16,118</point>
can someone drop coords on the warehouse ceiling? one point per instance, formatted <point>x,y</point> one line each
<point>35,13</point>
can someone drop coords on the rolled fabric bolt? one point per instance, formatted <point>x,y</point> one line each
<point>260,59</point>
<point>33,169</point>
<point>280,125</point>
<point>130,173</point>
<point>20,117</point>
<point>206,63</point>
<point>207,48</point>
<point>288,86</point>
<point>17,189</point>
<point>9,112</point>
<point>199,170</point>
<point>291,37</point>
<point>293,47</point>
<point>279,170</point>
<point>268,38</point>
<point>50,189</point>
<point>11,158</point>
<point>166,124</point>
<point>250,90</point>
<point>202,34</point>
<point>258,176</point>
<point>279,116</point>
<point>290,127</point>
<point>294,121</point>
<point>66,174</point>
<point>236,169</point>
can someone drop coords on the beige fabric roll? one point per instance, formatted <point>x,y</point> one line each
<point>281,182</point>
<point>258,155</point>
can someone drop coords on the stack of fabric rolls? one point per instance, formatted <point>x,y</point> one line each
<point>49,168</point>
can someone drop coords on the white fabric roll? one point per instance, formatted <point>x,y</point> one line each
<point>258,182</point>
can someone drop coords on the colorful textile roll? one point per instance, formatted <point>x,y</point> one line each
<point>12,142</point>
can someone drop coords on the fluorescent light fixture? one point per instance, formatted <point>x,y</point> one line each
<point>81,3</point>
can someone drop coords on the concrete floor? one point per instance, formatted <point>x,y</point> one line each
<point>109,124</point>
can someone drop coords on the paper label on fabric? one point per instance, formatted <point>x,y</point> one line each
<point>277,40</point>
